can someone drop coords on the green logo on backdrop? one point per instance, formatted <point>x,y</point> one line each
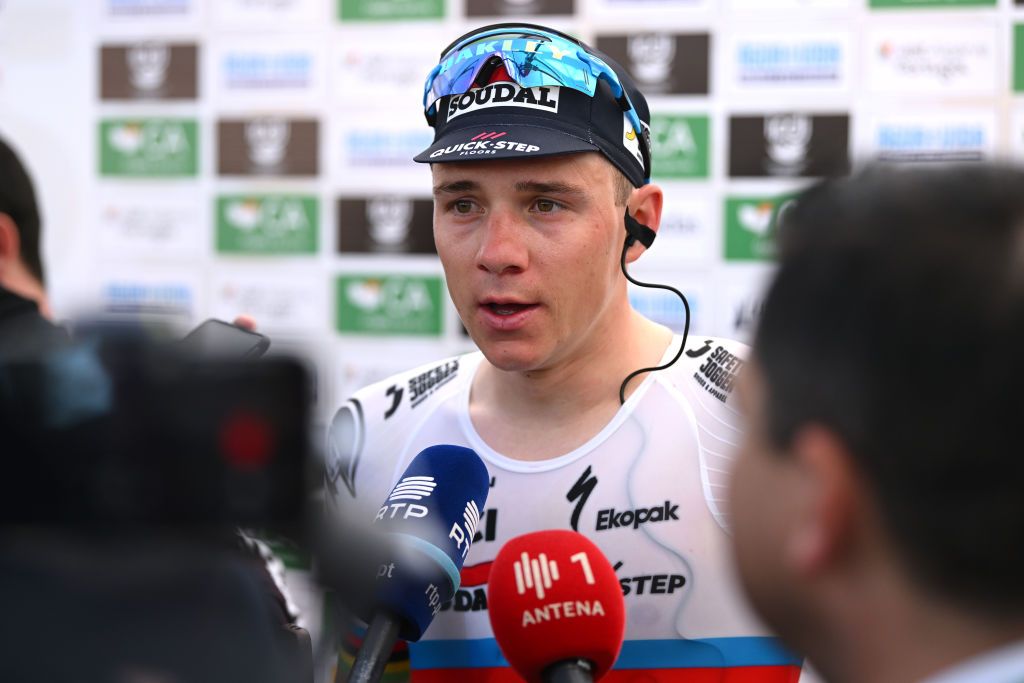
<point>267,224</point>
<point>389,10</point>
<point>149,148</point>
<point>679,144</point>
<point>750,226</point>
<point>1018,58</point>
<point>389,304</point>
<point>933,3</point>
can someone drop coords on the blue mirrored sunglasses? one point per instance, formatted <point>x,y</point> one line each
<point>532,56</point>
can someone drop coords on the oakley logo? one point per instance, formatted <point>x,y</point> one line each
<point>504,95</point>
<point>488,136</point>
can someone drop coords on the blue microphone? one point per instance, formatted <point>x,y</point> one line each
<point>429,519</point>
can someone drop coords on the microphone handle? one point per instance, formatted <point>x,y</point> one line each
<point>569,671</point>
<point>376,649</point>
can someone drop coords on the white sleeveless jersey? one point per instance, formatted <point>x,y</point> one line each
<point>649,490</point>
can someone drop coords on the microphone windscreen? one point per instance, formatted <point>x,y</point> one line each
<point>430,518</point>
<point>553,596</point>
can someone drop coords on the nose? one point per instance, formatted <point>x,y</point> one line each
<point>503,248</point>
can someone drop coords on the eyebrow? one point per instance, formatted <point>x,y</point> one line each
<point>530,186</point>
<point>456,186</point>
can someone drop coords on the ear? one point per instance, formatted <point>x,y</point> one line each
<point>826,523</point>
<point>10,244</point>
<point>644,205</point>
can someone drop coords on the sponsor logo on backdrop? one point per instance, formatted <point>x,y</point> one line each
<point>680,146</point>
<point>789,145</point>
<point>934,138</point>
<point>148,148</point>
<point>662,63</point>
<point>1018,55</point>
<point>149,70</point>
<point>295,302</point>
<point>134,226</point>
<point>788,4</point>
<point>287,69</point>
<point>910,4</point>
<point>269,13</point>
<point>664,307</point>
<point>267,224</point>
<point>504,95</point>
<point>750,226</point>
<point>149,299</point>
<point>487,8</point>
<point>385,147</point>
<point>149,8</point>
<point>391,71</point>
<point>268,145</point>
<point>389,10</point>
<point>929,59</point>
<point>781,61</point>
<point>740,307</point>
<point>685,233</point>
<point>389,305</point>
<point>385,225</point>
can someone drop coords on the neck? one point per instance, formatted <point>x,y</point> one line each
<point>540,414</point>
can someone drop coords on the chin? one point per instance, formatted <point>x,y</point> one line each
<point>510,356</point>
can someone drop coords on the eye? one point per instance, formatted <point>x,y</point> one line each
<point>546,206</point>
<point>462,207</point>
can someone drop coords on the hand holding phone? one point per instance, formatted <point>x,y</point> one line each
<point>216,338</point>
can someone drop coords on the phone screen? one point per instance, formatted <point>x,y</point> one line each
<point>220,339</point>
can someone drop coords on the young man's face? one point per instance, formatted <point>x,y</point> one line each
<point>530,249</point>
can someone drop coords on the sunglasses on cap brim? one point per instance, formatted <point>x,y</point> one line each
<point>532,56</point>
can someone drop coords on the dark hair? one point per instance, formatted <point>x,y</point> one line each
<point>18,200</point>
<point>896,320</point>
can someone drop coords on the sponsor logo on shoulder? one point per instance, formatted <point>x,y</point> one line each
<point>718,374</point>
<point>650,584</point>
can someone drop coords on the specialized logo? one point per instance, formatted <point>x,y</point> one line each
<point>582,489</point>
<point>613,519</point>
<point>544,98</point>
<point>413,488</point>
<point>395,392</point>
<point>718,373</point>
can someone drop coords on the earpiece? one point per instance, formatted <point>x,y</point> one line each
<point>637,231</point>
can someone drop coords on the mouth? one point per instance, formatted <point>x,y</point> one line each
<point>507,308</point>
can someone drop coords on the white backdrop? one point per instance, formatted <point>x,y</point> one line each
<point>199,158</point>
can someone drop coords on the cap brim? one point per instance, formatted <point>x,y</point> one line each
<point>482,142</point>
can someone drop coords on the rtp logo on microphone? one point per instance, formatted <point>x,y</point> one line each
<point>413,488</point>
<point>410,488</point>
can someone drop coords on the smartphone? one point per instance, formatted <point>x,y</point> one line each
<point>216,338</point>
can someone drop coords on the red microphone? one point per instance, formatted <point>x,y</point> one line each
<point>556,607</point>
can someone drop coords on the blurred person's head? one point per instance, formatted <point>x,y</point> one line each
<point>879,492</point>
<point>21,265</point>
